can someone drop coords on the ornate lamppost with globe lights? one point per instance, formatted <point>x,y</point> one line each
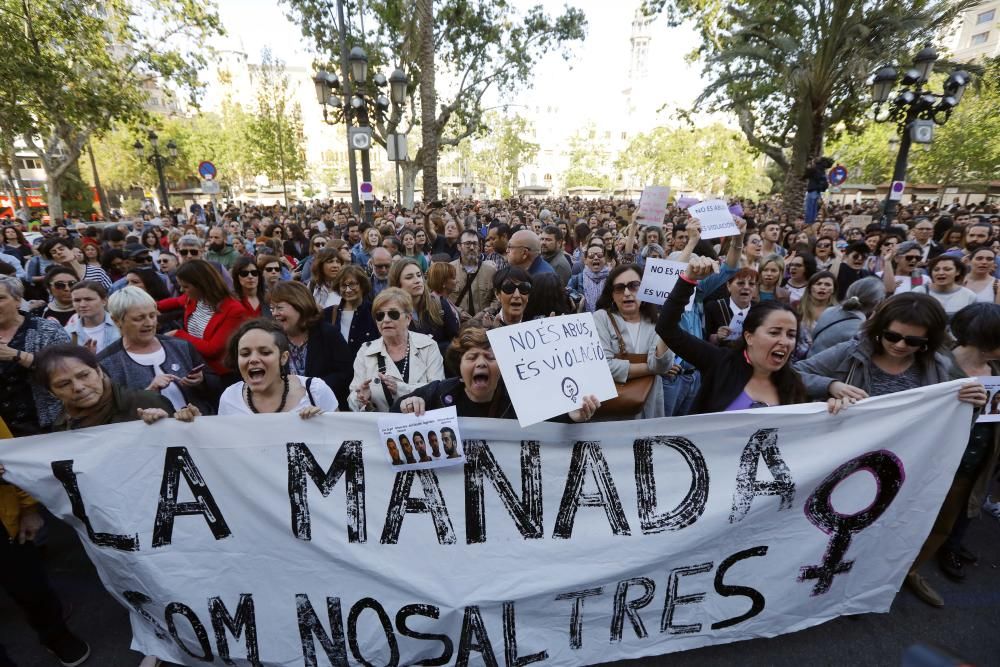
<point>158,161</point>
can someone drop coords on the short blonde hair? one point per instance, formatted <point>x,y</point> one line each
<point>393,295</point>
<point>126,299</point>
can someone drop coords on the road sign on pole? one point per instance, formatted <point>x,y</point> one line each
<point>837,175</point>
<point>367,191</point>
<point>206,170</point>
<point>210,187</point>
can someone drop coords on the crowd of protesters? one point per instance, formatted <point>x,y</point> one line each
<point>312,310</point>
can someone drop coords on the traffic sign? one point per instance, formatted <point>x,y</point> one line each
<point>210,187</point>
<point>367,191</point>
<point>837,175</point>
<point>896,191</point>
<point>206,170</point>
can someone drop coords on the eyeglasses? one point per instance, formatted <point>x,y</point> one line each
<point>164,260</point>
<point>273,269</point>
<point>143,260</point>
<point>184,252</point>
<point>249,272</point>
<point>595,255</point>
<point>911,341</point>
<point>349,286</point>
<point>633,287</point>
<point>59,284</point>
<point>510,286</point>
<point>912,258</point>
<point>824,245</point>
<point>319,245</point>
<point>393,315</point>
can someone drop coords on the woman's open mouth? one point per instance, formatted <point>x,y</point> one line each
<point>480,380</point>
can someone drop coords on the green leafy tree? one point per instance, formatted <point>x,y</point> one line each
<point>72,69</point>
<point>496,158</point>
<point>483,44</point>
<point>712,160</point>
<point>274,129</point>
<point>791,70</point>
<point>589,162</point>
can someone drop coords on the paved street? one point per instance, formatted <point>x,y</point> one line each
<point>968,625</point>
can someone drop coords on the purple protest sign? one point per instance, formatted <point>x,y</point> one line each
<point>686,202</point>
<point>736,210</point>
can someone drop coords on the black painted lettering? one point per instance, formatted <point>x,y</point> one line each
<point>348,463</point>
<point>63,471</point>
<point>675,600</point>
<point>576,615</point>
<point>311,629</point>
<point>589,459</point>
<point>763,443</point>
<point>475,638</point>
<point>244,621</point>
<point>691,507</point>
<point>889,475</point>
<point>510,641</point>
<point>623,606</point>
<point>178,609</point>
<point>401,504</point>
<point>526,511</point>
<point>728,590</point>
<point>430,611</point>
<point>384,621</point>
<point>177,461</point>
<point>137,600</point>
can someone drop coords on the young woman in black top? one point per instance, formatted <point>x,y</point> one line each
<point>756,372</point>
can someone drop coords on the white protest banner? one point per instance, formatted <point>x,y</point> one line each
<point>991,411</point>
<point>548,365</point>
<point>412,443</point>
<point>653,205</point>
<point>294,542</point>
<point>859,221</point>
<point>715,219</point>
<point>659,277</point>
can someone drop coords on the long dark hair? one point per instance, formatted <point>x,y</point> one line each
<point>240,264</point>
<point>647,311</point>
<point>206,279</point>
<point>910,308</point>
<point>786,379</point>
<point>548,295</point>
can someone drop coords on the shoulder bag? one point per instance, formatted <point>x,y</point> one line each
<point>632,394</point>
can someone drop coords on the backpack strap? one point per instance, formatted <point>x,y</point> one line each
<point>816,334</point>
<point>312,401</point>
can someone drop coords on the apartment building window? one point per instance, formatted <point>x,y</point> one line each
<point>981,38</point>
<point>986,17</point>
<point>30,163</point>
<point>548,178</point>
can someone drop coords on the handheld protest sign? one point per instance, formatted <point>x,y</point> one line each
<point>715,218</point>
<point>658,278</point>
<point>418,443</point>
<point>548,365</point>
<point>991,411</point>
<point>653,205</point>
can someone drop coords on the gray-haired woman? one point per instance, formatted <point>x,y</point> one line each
<point>24,406</point>
<point>843,321</point>
<point>141,359</point>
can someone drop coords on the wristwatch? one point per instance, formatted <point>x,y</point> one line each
<point>17,356</point>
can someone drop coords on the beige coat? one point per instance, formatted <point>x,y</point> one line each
<point>481,292</point>
<point>425,362</point>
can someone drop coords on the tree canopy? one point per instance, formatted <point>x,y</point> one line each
<point>478,46</point>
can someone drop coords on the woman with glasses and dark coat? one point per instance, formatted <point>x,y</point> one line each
<point>626,324</point>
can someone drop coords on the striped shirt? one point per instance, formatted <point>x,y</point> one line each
<point>199,319</point>
<point>96,273</point>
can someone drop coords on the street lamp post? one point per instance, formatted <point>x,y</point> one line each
<point>915,111</point>
<point>358,95</point>
<point>158,161</point>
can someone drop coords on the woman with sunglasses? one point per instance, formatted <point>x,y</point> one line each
<point>59,281</point>
<point>900,347</point>
<point>249,288</point>
<point>980,280</point>
<point>824,253</point>
<point>398,362</point>
<point>317,244</point>
<point>587,285</point>
<point>512,287</point>
<point>627,325</point>
<point>270,270</point>
<point>431,314</point>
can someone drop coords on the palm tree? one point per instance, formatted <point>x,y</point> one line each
<point>789,71</point>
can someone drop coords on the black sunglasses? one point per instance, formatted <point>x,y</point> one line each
<point>273,269</point>
<point>509,287</point>
<point>185,252</point>
<point>619,288</point>
<point>249,272</point>
<point>393,315</point>
<point>911,341</point>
